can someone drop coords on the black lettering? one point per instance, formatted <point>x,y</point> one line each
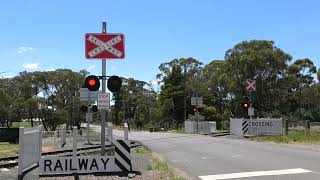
<point>271,124</point>
<point>104,163</point>
<point>58,165</point>
<point>48,163</point>
<point>66,167</point>
<point>267,124</point>
<point>94,163</point>
<point>83,163</point>
<point>71,165</point>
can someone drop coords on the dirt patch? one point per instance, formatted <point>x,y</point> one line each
<point>48,149</point>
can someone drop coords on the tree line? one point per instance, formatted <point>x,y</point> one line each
<point>285,88</point>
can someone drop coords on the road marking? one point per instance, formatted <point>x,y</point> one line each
<point>237,156</point>
<point>208,157</point>
<point>254,174</point>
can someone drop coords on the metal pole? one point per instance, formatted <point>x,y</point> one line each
<point>197,113</point>
<point>124,112</point>
<point>88,115</point>
<point>103,112</point>
<point>184,96</point>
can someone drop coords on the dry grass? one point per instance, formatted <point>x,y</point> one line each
<point>7,150</point>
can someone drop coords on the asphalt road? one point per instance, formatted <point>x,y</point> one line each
<point>213,158</point>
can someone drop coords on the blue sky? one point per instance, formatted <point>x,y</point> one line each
<point>44,35</point>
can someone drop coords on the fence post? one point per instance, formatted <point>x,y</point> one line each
<point>126,131</point>
<point>110,132</point>
<point>74,149</point>
<point>286,126</point>
<point>63,135</point>
<point>307,125</point>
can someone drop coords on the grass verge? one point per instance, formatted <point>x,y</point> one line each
<point>7,150</point>
<point>158,165</point>
<point>21,124</point>
<point>292,137</point>
<point>91,132</point>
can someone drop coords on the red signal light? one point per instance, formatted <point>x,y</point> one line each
<point>92,82</point>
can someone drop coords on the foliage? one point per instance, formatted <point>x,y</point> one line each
<point>51,96</point>
<point>293,137</point>
<point>283,89</point>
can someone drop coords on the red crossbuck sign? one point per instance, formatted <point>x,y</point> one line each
<point>104,46</point>
<point>251,85</point>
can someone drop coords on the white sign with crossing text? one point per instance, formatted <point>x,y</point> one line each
<point>103,100</point>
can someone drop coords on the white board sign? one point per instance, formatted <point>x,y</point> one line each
<point>196,101</point>
<point>79,164</point>
<point>103,100</point>
<point>87,95</point>
<point>251,111</point>
<point>89,117</point>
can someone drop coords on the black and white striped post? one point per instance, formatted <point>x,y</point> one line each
<point>244,126</point>
<point>122,155</point>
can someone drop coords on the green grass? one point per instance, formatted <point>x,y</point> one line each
<point>162,166</point>
<point>292,137</point>
<point>157,164</point>
<point>91,133</point>
<point>24,124</point>
<point>142,151</point>
<point>7,150</point>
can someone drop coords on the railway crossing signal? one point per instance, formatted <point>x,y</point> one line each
<point>245,105</point>
<point>92,83</point>
<point>114,83</point>
<point>93,108</point>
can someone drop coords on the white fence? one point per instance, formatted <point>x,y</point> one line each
<point>30,148</point>
<point>255,127</point>
<point>203,127</point>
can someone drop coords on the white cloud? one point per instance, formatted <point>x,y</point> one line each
<point>91,67</point>
<point>154,83</point>
<point>31,66</point>
<point>5,76</point>
<point>23,49</point>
